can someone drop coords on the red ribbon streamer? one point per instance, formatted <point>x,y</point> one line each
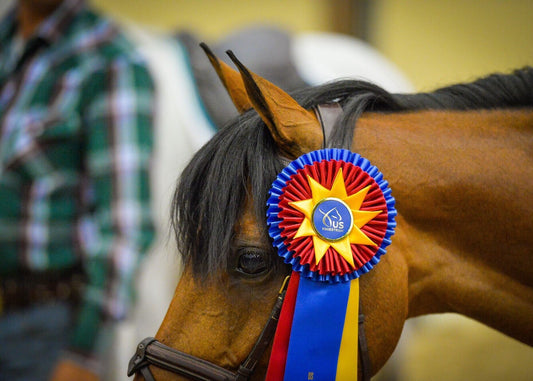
<point>280,347</point>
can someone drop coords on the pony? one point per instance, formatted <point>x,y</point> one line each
<point>459,163</point>
<point>193,105</point>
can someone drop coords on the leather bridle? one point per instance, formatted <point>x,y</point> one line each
<point>152,352</point>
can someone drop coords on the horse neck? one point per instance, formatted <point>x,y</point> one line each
<point>462,184</point>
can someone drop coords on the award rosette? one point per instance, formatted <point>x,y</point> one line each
<point>331,216</point>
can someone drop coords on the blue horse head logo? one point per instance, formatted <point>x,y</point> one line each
<point>332,219</point>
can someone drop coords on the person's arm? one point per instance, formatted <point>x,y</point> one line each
<point>118,127</point>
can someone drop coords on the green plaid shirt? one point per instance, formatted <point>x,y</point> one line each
<point>76,110</point>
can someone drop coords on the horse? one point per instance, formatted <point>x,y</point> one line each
<point>459,163</point>
<point>193,104</point>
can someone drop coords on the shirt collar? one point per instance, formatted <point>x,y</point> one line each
<point>54,26</point>
<point>50,29</point>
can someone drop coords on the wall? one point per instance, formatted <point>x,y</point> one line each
<point>211,18</point>
<point>438,42</point>
<point>433,42</point>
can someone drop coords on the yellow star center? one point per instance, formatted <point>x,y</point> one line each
<point>359,217</point>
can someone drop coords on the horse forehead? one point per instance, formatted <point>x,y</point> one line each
<point>248,226</point>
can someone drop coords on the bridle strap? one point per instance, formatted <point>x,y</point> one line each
<point>266,336</point>
<point>152,352</point>
<point>327,114</point>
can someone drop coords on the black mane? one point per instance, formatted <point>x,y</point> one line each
<point>242,157</point>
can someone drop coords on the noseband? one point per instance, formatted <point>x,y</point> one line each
<point>152,352</point>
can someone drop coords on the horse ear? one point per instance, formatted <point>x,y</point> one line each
<point>231,80</point>
<point>295,129</point>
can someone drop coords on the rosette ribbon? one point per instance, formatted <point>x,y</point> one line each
<point>331,216</point>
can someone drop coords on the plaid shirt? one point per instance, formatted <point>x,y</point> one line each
<point>76,110</point>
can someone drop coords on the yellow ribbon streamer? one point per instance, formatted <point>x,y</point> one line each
<point>347,363</point>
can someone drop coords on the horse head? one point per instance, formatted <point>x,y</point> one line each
<point>232,274</point>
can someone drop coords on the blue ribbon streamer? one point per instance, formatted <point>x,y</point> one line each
<point>316,330</point>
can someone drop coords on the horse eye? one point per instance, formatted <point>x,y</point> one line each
<point>253,262</point>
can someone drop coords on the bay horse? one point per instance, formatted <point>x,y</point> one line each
<point>459,161</point>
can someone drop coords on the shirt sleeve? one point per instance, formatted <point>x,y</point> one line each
<point>118,140</point>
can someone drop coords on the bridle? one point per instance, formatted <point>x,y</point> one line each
<point>152,352</point>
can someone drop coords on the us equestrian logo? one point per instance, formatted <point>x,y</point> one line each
<point>332,219</point>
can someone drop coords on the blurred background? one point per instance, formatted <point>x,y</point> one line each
<point>431,44</point>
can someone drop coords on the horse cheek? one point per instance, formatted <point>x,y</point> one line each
<point>384,302</point>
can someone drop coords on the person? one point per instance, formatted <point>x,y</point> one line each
<point>76,113</point>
